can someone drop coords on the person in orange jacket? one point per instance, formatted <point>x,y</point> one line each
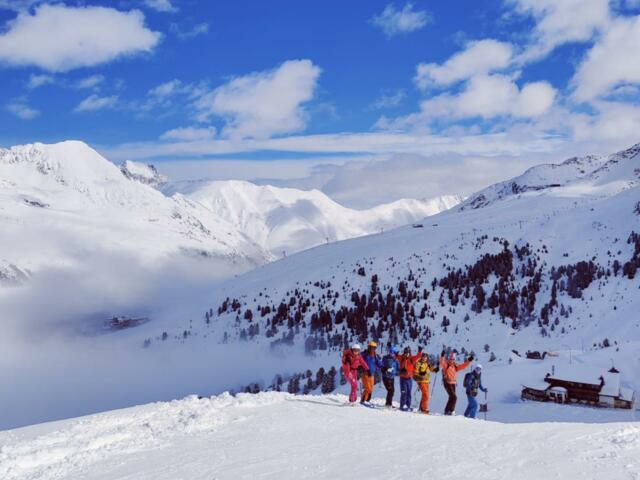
<point>407,366</point>
<point>422,376</point>
<point>351,361</point>
<point>450,369</point>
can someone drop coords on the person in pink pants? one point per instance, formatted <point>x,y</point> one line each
<point>351,361</point>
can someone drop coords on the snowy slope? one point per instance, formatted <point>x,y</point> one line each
<point>289,220</point>
<point>577,236</point>
<point>58,200</point>
<point>279,436</point>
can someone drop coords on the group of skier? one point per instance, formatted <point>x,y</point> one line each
<point>410,368</point>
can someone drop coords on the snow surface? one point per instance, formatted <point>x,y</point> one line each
<point>279,436</point>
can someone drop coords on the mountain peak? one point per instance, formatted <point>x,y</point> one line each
<point>590,175</point>
<point>144,173</point>
<point>630,152</point>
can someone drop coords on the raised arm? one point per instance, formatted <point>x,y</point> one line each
<point>465,364</point>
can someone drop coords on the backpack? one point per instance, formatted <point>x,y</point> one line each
<point>388,362</point>
<point>347,357</point>
<point>467,381</point>
<point>471,383</point>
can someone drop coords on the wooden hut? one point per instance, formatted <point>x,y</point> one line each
<point>604,390</point>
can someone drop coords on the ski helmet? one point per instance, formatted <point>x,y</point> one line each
<point>355,346</point>
<point>478,368</point>
<point>373,344</point>
<point>407,349</point>
<point>394,349</point>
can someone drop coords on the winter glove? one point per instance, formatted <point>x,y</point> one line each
<point>420,348</point>
<point>442,353</point>
<point>403,371</point>
<point>389,370</point>
<point>471,358</point>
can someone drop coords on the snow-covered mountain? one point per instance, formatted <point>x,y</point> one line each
<point>549,269</point>
<point>60,202</point>
<point>593,175</point>
<point>287,220</point>
<point>549,263</point>
<point>82,204</point>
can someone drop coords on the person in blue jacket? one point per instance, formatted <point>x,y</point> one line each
<point>390,370</point>
<point>374,362</point>
<point>473,382</point>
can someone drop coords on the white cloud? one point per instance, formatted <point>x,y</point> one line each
<point>94,103</point>
<point>90,82</point>
<point>37,81</point>
<point>613,61</point>
<point>616,122</point>
<point>363,183</point>
<point>196,30</point>
<point>483,56</point>
<point>263,104</point>
<point>389,99</point>
<point>394,22</point>
<point>60,38</point>
<point>189,134</point>
<point>487,96</point>
<point>352,143</point>
<point>161,5</point>
<point>534,99</point>
<point>561,21</point>
<point>168,89</point>
<point>21,110</point>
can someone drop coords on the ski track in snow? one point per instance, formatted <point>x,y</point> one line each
<point>276,435</point>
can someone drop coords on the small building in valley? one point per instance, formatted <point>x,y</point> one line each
<point>603,390</point>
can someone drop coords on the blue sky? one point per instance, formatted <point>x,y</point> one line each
<point>185,79</point>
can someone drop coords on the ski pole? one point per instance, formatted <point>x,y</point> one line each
<point>486,406</point>
<point>433,385</point>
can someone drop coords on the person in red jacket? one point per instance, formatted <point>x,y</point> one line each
<point>351,361</point>
<point>407,366</point>
<point>450,369</point>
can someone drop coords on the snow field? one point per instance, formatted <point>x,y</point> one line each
<point>276,435</point>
